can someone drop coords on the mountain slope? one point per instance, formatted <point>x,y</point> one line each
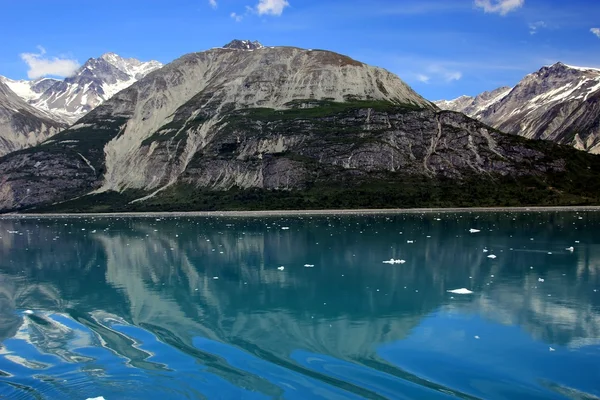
<point>22,125</point>
<point>559,103</point>
<point>283,127</point>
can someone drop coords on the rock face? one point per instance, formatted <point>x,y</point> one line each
<point>559,103</point>
<point>273,119</point>
<point>22,125</point>
<point>95,82</point>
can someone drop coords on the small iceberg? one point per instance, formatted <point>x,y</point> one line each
<point>95,398</point>
<point>309,266</point>
<point>491,256</point>
<point>285,228</point>
<point>410,241</point>
<point>392,261</point>
<point>28,312</point>
<point>571,249</point>
<point>281,268</point>
<point>474,230</point>
<point>540,279</point>
<point>460,291</point>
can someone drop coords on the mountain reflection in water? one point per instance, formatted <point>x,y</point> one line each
<point>184,307</point>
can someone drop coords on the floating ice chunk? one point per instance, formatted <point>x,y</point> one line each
<point>485,250</point>
<point>577,241</point>
<point>540,279</point>
<point>309,266</point>
<point>474,230</point>
<point>281,268</point>
<point>571,249</point>
<point>215,277</point>
<point>492,256</point>
<point>392,261</point>
<point>285,228</point>
<point>95,398</point>
<point>28,312</point>
<point>549,252</point>
<point>551,349</point>
<point>410,241</point>
<point>460,291</point>
<point>476,337</point>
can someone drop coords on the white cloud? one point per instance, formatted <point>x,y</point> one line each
<point>423,78</point>
<point>236,17</point>
<point>501,7</point>
<point>450,76</point>
<point>534,27</point>
<point>40,66</point>
<point>213,3</point>
<point>436,74</point>
<point>271,7</point>
<point>595,31</point>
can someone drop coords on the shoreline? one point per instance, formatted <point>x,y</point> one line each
<point>276,213</point>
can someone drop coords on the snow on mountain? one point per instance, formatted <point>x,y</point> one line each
<point>472,106</point>
<point>29,90</point>
<point>559,103</point>
<point>95,82</point>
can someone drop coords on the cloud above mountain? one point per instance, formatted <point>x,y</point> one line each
<point>501,7</point>
<point>271,7</point>
<point>595,31</point>
<point>40,66</point>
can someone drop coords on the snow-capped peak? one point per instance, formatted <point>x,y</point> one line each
<point>243,45</point>
<point>95,82</point>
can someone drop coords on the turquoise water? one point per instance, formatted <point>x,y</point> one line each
<point>186,308</point>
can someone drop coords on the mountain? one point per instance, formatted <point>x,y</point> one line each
<point>560,103</point>
<point>22,125</point>
<point>29,90</point>
<point>243,45</point>
<point>283,127</point>
<point>92,84</point>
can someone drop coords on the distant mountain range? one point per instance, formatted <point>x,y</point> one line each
<point>560,103</point>
<point>246,126</point>
<point>95,82</point>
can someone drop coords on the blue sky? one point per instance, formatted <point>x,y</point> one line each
<point>442,48</point>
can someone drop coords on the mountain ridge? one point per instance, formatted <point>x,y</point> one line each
<point>281,127</point>
<point>558,102</point>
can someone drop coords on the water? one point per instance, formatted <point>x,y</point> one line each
<point>170,308</point>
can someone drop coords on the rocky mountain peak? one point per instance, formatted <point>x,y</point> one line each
<point>243,45</point>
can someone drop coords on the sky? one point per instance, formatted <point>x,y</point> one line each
<point>442,48</point>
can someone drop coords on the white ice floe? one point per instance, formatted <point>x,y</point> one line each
<point>95,398</point>
<point>551,349</point>
<point>571,249</point>
<point>308,265</point>
<point>474,230</point>
<point>285,228</point>
<point>215,277</point>
<point>476,337</point>
<point>281,268</point>
<point>392,261</point>
<point>28,312</point>
<point>460,291</point>
<point>485,250</point>
<point>491,256</point>
<point>410,241</point>
<point>540,279</point>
